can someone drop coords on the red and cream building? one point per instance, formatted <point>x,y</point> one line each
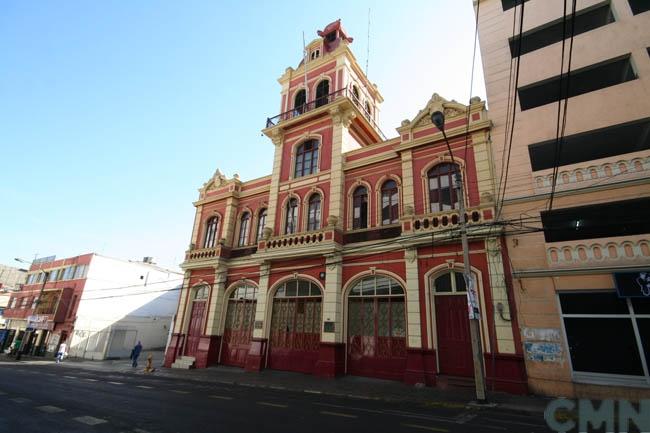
<point>346,259</point>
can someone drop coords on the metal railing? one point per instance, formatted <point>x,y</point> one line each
<point>322,101</point>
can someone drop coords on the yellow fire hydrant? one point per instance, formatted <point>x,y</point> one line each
<point>149,368</point>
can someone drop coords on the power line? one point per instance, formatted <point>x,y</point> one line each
<point>471,79</point>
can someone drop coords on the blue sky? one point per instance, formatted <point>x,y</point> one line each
<point>114,112</point>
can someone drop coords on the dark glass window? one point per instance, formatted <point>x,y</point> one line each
<point>453,281</point>
<point>617,218</point>
<point>260,225</point>
<point>639,6</point>
<point>389,203</point>
<point>600,332</point>
<point>509,4</point>
<point>291,221</point>
<point>313,216</point>
<point>299,101</point>
<point>243,229</point>
<point>211,232</point>
<point>306,158</point>
<point>322,92</point>
<point>360,208</point>
<point>442,194</point>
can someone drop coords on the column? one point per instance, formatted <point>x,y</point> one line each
<point>331,357</point>
<point>278,139</point>
<point>176,342</point>
<point>256,358</point>
<point>210,343</point>
<point>415,360</point>
<point>230,220</point>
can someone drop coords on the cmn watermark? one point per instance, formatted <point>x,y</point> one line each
<point>615,416</point>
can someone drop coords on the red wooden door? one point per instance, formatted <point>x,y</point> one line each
<point>295,334</point>
<point>238,331</point>
<point>196,328</point>
<point>377,337</point>
<point>454,343</point>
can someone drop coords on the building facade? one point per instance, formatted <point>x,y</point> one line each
<point>11,279</point>
<point>578,186</point>
<point>99,306</point>
<point>346,259</point>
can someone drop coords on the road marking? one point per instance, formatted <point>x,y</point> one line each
<point>139,430</point>
<point>3,393</point>
<point>349,408</point>
<point>263,403</point>
<point>180,391</point>
<point>424,427</point>
<point>116,383</point>
<point>342,415</point>
<point>50,374</point>
<point>70,377</point>
<point>220,397</point>
<point>20,400</point>
<point>89,420</point>
<point>50,409</point>
<point>505,421</point>
<point>90,380</point>
<point>463,418</point>
<point>144,386</point>
<point>311,391</point>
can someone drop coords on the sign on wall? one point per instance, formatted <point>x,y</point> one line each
<point>472,300</point>
<point>39,322</point>
<point>632,284</point>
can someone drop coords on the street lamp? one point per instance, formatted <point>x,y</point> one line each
<point>438,119</point>
<point>35,306</point>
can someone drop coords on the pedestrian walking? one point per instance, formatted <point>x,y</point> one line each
<point>135,353</point>
<point>63,351</point>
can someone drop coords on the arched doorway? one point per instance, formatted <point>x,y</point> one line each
<point>377,328</point>
<point>295,326</point>
<point>197,317</point>
<point>238,329</point>
<point>452,324</point>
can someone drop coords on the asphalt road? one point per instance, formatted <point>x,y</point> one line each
<point>50,398</point>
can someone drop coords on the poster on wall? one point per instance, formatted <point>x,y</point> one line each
<point>632,284</point>
<point>472,300</point>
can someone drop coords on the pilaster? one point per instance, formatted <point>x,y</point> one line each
<point>230,220</point>
<point>408,195</point>
<point>413,298</point>
<point>333,300</point>
<point>182,303</point>
<point>215,308</point>
<point>341,119</point>
<point>262,299</point>
<point>278,139</point>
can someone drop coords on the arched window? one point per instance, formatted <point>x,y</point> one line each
<point>389,202</point>
<point>450,282</point>
<point>261,220</point>
<point>360,208</point>
<point>244,291</point>
<point>322,92</point>
<point>299,101</point>
<point>201,292</point>
<point>306,158</point>
<point>291,221</point>
<point>442,194</point>
<point>368,110</point>
<point>243,229</point>
<point>313,216</point>
<point>211,232</point>
<point>355,94</point>
<point>297,288</point>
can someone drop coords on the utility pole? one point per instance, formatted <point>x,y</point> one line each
<point>438,119</point>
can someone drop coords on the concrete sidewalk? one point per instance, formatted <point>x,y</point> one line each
<point>346,386</point>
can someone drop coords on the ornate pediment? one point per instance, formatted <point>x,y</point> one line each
<point>217,180</point>
<point>451,109</point>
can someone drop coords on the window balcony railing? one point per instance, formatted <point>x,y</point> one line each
<point>203,253</point>
<point>320,102</point>
<point>441,221</point>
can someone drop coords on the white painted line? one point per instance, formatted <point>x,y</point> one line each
<point>20,400</point>
<point>220,397</point>
<point>180,391</point>
<point>3,393</point>
<point>339,414</point>
<point>50,374</point>
<point>263,403</point>
<point>424,427</point>
<point>139,430</point>
<point>312,391</point>
<point>144,386</point>
<point>89,420</point>
<point>90,380</point>
<point>361,409</point>
<point>70,377</point>
<point>278,388</point>
<point>116,383</point>
<point>50,409</point>
<point>506,421</point>
<point>462,419</point>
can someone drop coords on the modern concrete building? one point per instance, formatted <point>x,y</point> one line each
<point>100,306</point>
<point>346,259</point>
<point>579,205</point>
